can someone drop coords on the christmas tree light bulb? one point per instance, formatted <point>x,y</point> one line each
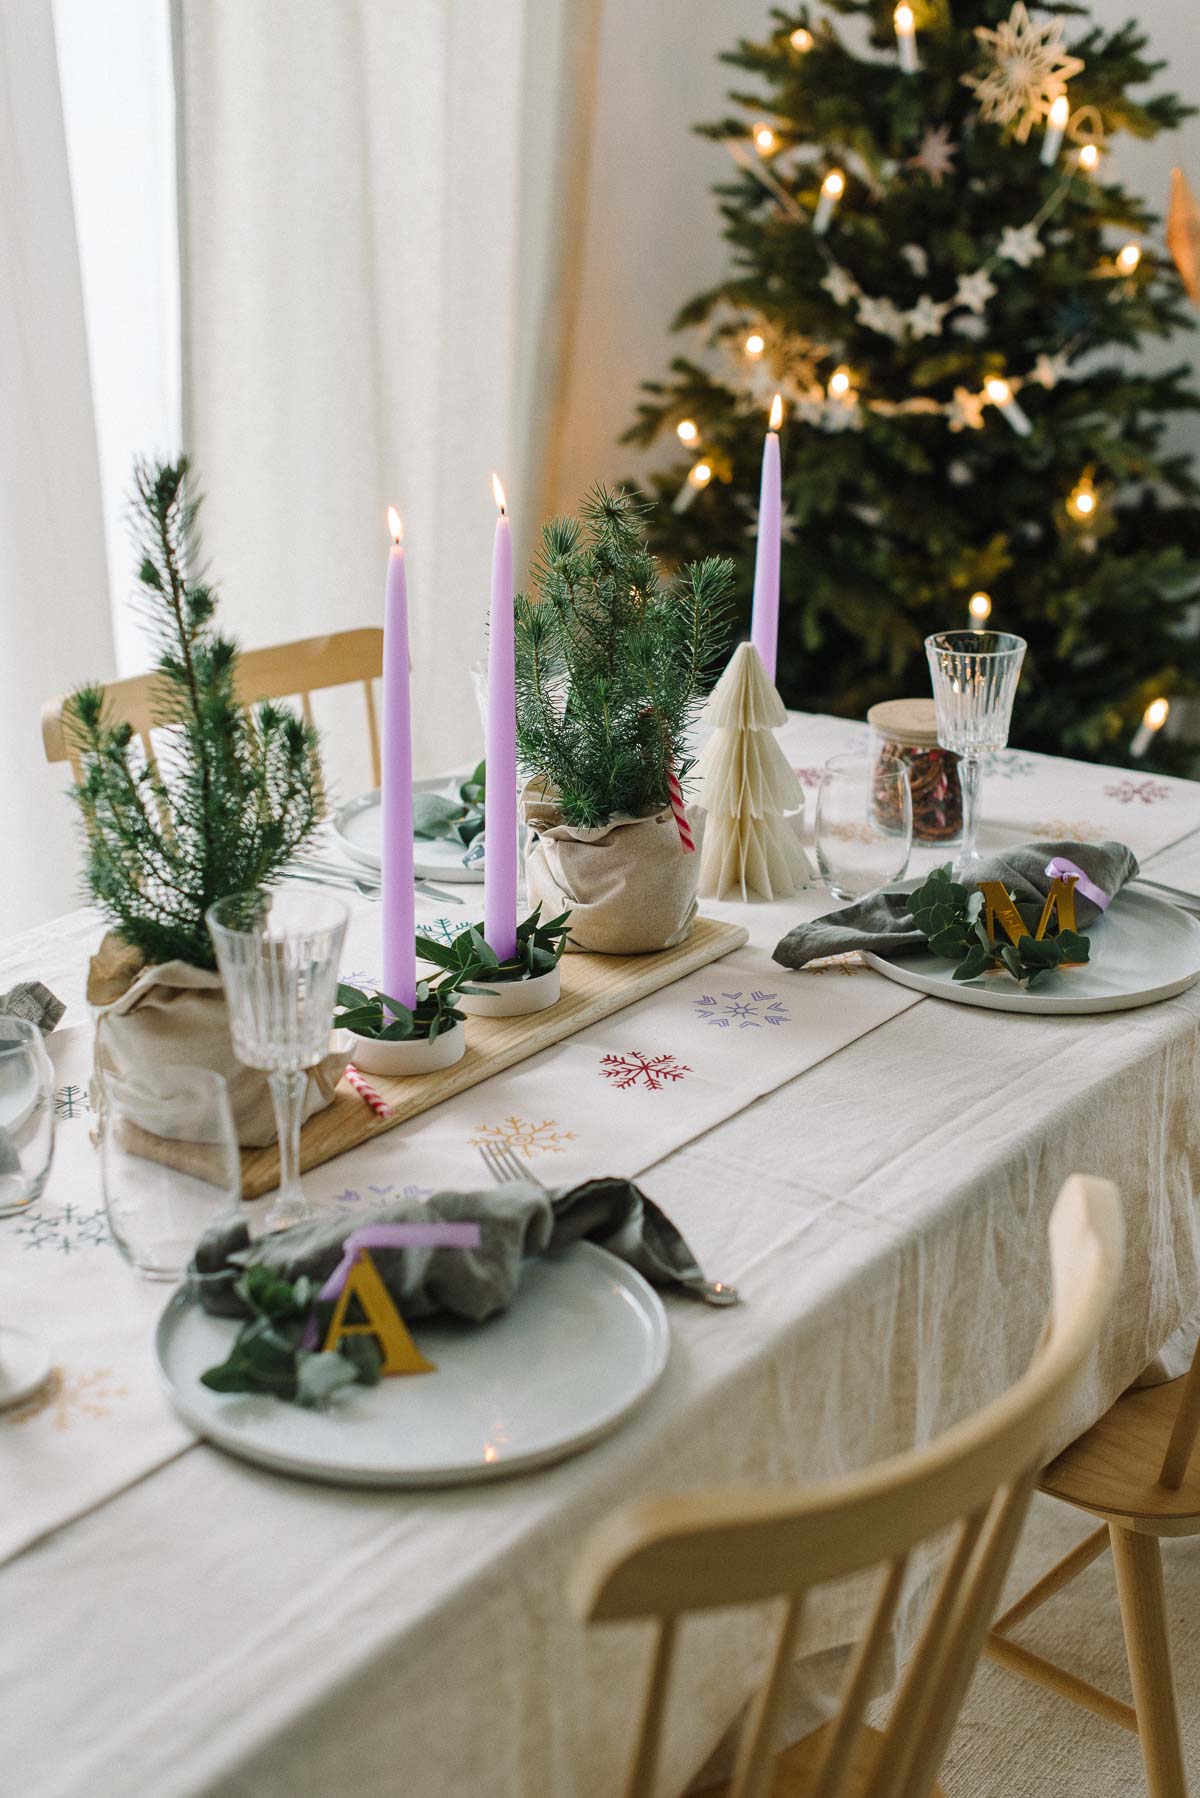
<point>832,189</point>
<point>687,430</point>
<point>1089,156</point>
<point>765,140</point>
<point>1060,112</point>
<point>801,40</point>
<point>839,384</point>
<point>1128,258</point>
<point>699,475</point>
<point>1002,397</point>
<point>1153,719</point>
<point>980,607</point>
<point>755,344</point>
<point>905,21</point>
<point>1083,499</point>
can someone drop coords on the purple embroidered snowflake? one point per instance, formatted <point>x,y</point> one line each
<point>746,1011</point>
<point>654,1072</point>
<point>1126,791</point>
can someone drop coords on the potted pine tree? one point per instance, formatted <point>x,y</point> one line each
<point>233,796</point>
<point>613,661</point>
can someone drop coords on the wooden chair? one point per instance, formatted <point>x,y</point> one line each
<point>1136,1470</point>
<point>303,668</point>
<point>665,1557</point>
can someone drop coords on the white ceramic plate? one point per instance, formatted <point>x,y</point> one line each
<point>358,827</point>
<point>584,1341</point>
<point>1143,950</point>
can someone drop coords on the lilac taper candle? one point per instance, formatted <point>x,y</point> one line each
<point>398,897</point>
<point>764,623</point>
<point>500,830</point>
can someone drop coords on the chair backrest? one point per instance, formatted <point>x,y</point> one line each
<point>302,668</point>
<point>663,1558</point>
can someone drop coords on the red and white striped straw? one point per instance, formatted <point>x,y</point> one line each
<point>680,811</point>
<point>367,1093</point>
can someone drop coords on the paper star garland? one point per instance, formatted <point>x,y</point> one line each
<point>839,285</point>
<point>974,290</point>
<point>965,411</point>
<point>881,315</point>
<point>1027,67</point>
<point>917,260</point>
<point>1049,370</point>
<point>936,155</point>
<point>925,318</point>
<point>1019,244</point>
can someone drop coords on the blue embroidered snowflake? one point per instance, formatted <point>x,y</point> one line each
<point>362,978</point>
<point>71,1101</point>
<point>1010,764</point>
<point>746,1011</point>
<point>67,1230</point>
<point>442,930</point>
<point>379,1195</point>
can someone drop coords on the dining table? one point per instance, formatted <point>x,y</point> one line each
<point>873,1169</point>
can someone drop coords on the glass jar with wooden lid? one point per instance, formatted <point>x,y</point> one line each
<point>904,732</point>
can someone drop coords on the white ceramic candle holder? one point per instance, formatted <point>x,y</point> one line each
<point>513,998</point>
<point>418,1055</point>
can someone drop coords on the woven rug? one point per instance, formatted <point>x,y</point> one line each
<point>1016,1741</point>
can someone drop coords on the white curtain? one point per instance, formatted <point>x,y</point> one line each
<point>380,216</point>
<point>54,610</point>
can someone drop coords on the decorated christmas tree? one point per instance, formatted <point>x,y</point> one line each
<point>747,786</point>
<point>936,263</point>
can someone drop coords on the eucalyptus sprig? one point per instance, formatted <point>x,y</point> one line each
<point>952,918</point>
<point>385,1020</point>
<point>268,1355</point>
<point>469,957</point>
<point>461,819</point>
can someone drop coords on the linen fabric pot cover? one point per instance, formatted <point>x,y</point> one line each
<point>174,1014</point>
<point>629,886</point>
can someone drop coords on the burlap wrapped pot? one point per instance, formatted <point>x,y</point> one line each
<point>175,1014</point>
<point>628,885</point>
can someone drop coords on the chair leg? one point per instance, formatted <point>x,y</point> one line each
<point>1138,1565</point>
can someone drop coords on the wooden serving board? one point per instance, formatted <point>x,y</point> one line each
<point>593,987</point>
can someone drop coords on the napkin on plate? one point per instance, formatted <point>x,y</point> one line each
<point>881,922</point>
<point>515,1221</point>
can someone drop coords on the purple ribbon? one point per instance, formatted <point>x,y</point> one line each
<point>1058,869</point>
<point>390,1236</point>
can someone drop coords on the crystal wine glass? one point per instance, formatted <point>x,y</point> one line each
<point>279,954</point>
<point>975,675</point>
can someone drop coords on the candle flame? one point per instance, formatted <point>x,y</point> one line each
<point>498,493</point>
<point>904,18</point>
<point>998,390</point>
<point>1060,112</point>
<point>395,524</point>
<point>1155,714</point>
<point>776,418</point>
<point>834,184</point>
<point>1089,156</point>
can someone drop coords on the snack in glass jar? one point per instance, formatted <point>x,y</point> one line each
<point>904,733</point>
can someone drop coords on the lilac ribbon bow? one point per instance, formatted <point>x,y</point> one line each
<point>390,1236</point>
<point>1059,867</point>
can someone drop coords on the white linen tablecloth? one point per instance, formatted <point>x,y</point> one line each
<point>210,1628</point>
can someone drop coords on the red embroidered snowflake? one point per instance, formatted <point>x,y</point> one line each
<point>654,1072</point>
<point>809,777</point>
<point>1148,791</point>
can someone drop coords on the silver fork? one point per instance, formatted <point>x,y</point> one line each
<point>504,1164</point>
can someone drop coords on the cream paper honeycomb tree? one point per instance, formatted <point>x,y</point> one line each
<point>746,788</point>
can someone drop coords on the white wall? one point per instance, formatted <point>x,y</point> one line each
<point>653,234</point>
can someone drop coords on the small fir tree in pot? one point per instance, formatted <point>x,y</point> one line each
<point>612,663</point>
<point>233,795</point>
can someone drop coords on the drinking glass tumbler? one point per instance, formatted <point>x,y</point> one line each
<point>26,1114</point>
<point>279,954</point>
<point>863,829</point>
<point>169,1164</point>
<point>975,675</point>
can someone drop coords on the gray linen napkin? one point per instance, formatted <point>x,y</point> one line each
<point>515,1221</point>
<point>31,1000</point>
<point>882,922</point>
